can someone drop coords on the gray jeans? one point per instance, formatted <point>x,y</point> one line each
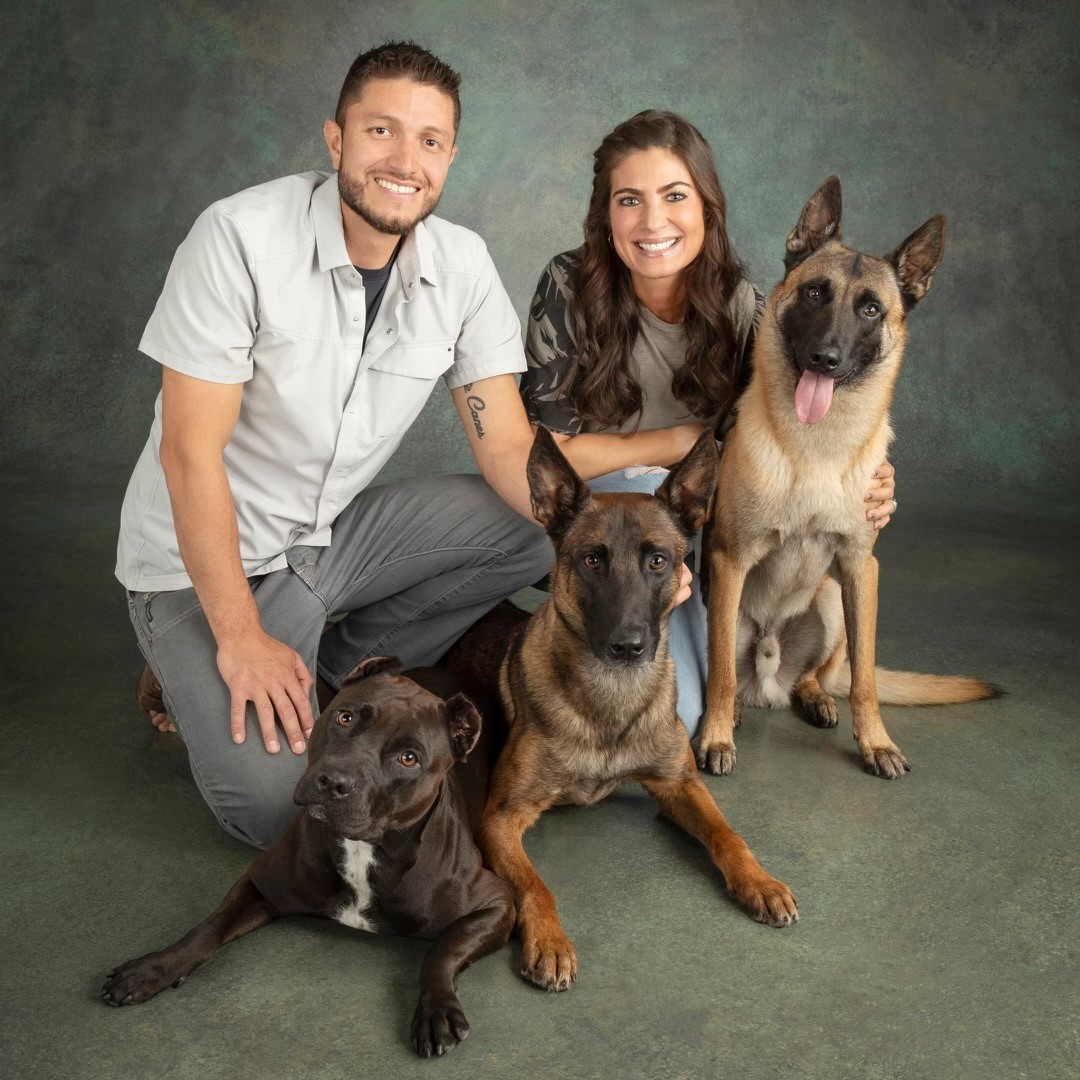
<point>411,565</point>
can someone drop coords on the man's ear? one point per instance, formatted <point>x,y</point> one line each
<point>331,133</point>
<point>690,488</point>
<point>464,724</point>
<point>818,223</point>
<point>917,258</point>
<point>556,490</point>
<point>373,665</point>
<point>453,155</point>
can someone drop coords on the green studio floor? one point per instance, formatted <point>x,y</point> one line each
<point>938,913</point>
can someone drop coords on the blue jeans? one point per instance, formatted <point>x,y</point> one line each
<point>687,631</point>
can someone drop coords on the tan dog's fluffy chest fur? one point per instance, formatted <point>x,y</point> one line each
<point>810,430</point>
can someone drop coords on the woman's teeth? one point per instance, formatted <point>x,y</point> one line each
<point>660,245</point>
<point>397,189</point>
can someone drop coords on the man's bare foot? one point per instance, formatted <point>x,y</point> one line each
<point>149,697</point>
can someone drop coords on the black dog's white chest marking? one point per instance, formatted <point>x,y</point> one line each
<point>357,860</point>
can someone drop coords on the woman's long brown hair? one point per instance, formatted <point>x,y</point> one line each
<point>603,313</point>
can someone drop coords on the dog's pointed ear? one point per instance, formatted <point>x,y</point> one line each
<point>373,665</point>
<point>917,258</point>
<point>556,490</point>
<point>690,488</point>
<point>819,222</point>
<point>464,724</point>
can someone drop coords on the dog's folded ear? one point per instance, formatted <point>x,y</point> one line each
<point>556,490</point>
<point>690,488</point>
<point>917,258</point>
<point>464,724</point>
<point>819,222</point>
<point>373,665</point>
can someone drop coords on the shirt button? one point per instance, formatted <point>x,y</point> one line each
<point>390,330</point>
<point>356,318</point>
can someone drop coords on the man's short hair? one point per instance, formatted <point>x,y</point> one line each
<point>396,60</point>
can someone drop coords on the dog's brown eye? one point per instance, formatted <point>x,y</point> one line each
<point>408,759</point>
<point>344,718</point>
<point>591,561</point>
<point>871,311</point>
<point>812,292</point>
<point>657,561</point>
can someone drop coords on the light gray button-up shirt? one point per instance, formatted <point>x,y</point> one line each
<point>262,291</point>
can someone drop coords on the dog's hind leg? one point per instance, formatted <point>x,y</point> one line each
<point>817,650</point>
<point>686,800</point>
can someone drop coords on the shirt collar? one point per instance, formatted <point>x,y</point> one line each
<point>416,259</point>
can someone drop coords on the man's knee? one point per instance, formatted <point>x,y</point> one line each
<point>260,821</point>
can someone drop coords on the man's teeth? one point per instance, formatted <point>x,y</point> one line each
<point>397,189</point>
<point>661,245</point>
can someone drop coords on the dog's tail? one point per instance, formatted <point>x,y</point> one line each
<point>913,688</point>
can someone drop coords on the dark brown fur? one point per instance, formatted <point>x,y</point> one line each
<point>584,716</point>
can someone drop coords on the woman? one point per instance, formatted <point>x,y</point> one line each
<point>641,338</point>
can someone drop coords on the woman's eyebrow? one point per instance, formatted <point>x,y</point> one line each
<point>660,190</point>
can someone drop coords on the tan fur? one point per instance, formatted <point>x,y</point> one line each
<point>790,500</point>
<point>579,727</point>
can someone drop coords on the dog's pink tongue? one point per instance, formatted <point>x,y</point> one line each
<point>813,396</point>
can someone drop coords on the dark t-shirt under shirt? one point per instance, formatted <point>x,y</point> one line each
<point>374,287</point>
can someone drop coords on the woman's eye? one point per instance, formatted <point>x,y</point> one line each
<point>676,196</point>
<point>408,759</point>
<point>628,200</point>
<point>590,561</point>
<point>344,718</point>
<point>658,562</point>
<point>871,311</point>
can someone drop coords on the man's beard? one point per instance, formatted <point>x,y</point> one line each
<point>352,195</point>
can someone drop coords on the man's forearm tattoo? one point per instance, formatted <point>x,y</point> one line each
<point>476,407</point>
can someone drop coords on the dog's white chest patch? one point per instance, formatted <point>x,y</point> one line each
<point>357,860</point>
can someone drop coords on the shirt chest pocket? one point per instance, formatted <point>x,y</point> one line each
<point>399,382</point>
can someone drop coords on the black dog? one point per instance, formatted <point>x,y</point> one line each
<point>384,843</point>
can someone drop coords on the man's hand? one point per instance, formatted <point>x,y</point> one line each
<point>260,669</point>
<point>882,498</point>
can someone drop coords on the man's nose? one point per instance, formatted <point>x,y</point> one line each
<point>402,157</point>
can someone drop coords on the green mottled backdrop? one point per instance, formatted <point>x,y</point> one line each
<point>122,120</point>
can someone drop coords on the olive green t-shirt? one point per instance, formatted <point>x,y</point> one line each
<point>657,355</point>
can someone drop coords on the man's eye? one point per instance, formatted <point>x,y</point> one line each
<point>344,718</point>
<point>431,144</point>
<point>657,561</point>
<point>408,759</point>
<point>381,131</point>
<point>590,561</point>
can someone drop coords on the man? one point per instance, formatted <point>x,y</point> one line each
<point>302,326</point>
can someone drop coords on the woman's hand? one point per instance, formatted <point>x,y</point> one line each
<point>882,497</point>
<point>685,577</point>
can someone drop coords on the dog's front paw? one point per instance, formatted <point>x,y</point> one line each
<point>767,901</point>
<point>438,1027</point>
<point>549,961</point>
<point>717,758</point>
<point>139,980</point>
<point>885,761</point>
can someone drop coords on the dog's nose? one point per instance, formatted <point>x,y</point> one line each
<point>335,785</point>
<point>826,358</point>
<point>626,644</point>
